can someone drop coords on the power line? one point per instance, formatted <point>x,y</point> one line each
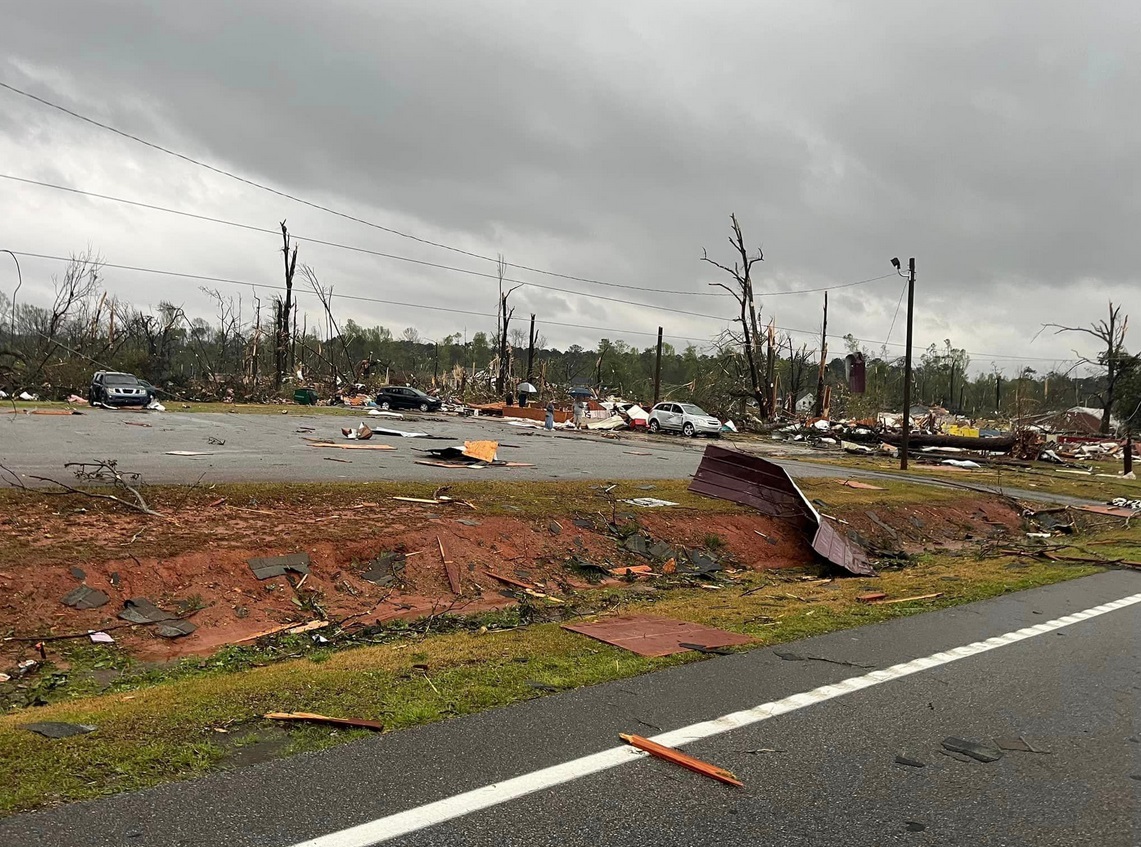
<point>226,281</point>
<point>898,303</point>
<point>357,249</point>
<point>346,216</point>
<point>825,287</point>
<point>299,237</point>
<point>361,298</point>
<point>295,198</point>
<point>303,292</point>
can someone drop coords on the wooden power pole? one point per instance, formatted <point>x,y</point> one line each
<point>906,434</point>
<point>658,370</point>
<point>531,352</point>
<point>823,361</point>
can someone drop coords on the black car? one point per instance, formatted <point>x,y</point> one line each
<point>117,389</point>
<point>403,397</point>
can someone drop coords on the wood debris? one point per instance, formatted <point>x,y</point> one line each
<point>679,758</point>
<point>313,718</point>
<point>907,599</point>
<point>450,569</point>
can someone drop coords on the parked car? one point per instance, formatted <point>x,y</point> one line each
<point>685,418</point>
<point>118,389</point>
<point>403,397</point>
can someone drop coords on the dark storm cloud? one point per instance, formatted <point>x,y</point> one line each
<point>997,142</point>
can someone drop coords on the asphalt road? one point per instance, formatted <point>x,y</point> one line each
<point>821,770</point>
<point>272,448</point>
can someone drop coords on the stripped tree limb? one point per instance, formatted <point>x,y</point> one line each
<point>102,471</point>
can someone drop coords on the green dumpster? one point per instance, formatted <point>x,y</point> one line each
<point>305,397</point>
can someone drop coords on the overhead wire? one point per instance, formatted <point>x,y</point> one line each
<point>898,303</point>
<point>301,292</point>
<point>371,252</point>
<point>321,207</point>
<point>382,301</point>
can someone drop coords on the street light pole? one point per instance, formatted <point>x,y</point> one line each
<point>904,441</point>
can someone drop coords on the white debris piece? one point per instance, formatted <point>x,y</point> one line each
<point>383,413</point>
<point>637,413</point>
<point>649,502</point>
<point>399,432</point>
<point>961,463</point>
<point>613,422</point>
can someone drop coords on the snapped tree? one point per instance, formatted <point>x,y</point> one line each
<point>1115,360</point>
<point>742,291</point>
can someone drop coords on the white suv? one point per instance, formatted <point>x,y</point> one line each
<point>685,418</point>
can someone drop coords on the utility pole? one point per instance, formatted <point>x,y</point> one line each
<point>658,370</point>
<point>531,352</point>
<point>824,360</point>
<point>770,369</point>
<point>904,441</point>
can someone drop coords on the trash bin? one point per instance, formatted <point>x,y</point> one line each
<point>305,397</point>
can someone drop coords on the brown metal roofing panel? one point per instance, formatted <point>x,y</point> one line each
<point>838,549</point>
<point>750,481</point>
<point>767,487</point>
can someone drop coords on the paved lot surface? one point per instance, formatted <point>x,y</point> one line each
<point>829,776</point>
<point>270,448</point>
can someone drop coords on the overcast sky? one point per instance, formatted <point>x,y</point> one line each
<point>998,143</point>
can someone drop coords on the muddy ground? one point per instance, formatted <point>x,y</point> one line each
<point>204,574</point>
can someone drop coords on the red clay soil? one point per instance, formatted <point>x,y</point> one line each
<point>197,566</point>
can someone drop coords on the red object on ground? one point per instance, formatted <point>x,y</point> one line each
<point>648,636</point>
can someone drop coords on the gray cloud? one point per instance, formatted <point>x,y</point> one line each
<point>997,142</point>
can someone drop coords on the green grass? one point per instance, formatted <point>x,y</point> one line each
<point>163,724</point>
<point>1041,476</point>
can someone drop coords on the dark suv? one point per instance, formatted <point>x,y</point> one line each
<point>402,397</point>
<point>117,389</point>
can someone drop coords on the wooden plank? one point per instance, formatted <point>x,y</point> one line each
<point>679,758</point>
<point>506,580</point>
<point>450,570</point>
<point>314,718</point>
<point>908,599</point>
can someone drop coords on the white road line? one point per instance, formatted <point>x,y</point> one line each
<point>402,823</point>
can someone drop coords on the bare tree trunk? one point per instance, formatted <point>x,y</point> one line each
<point>743,294</point>
<point>282,342</point>
<point>1116,361</point>
<point>504,321</point>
